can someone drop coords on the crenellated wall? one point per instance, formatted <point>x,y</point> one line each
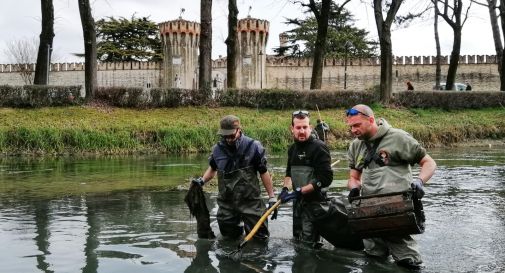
<point>180,40</point>
<point>252,40</point>
<point>480,70</point>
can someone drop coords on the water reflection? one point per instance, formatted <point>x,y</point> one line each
<point>51,222</point>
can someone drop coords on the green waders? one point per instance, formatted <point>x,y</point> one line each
<point>389,179</point>
<point>239,199</point>
<point>303,228</point>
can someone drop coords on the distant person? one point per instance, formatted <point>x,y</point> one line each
<point>177,81</point>
<point>468,86</point>
<point>410,87</point>
<point>322,130</point>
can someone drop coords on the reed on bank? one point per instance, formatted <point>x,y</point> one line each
<point>109,130</point>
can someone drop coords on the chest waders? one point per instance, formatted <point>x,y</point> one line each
<point>239,197</point>
<point>238,185</point>
<point>380,178</point>
<point>303,228</point>
<point>326,218</point>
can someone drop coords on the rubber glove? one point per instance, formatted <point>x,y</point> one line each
<point>296,194</point>
<point>353,193</point>
<point>417,186</point>
<point>198,181</point>
<point>271,203</point>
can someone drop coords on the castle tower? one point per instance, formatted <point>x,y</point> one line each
<point>180,39</point>
<point>252,40</point>
<point>283,39</point>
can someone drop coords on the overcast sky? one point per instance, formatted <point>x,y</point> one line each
<point>20,19</point>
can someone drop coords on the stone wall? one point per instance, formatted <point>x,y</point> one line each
<point>481,71</point>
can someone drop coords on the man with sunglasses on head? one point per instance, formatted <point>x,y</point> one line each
<point>308,174</point>
<point>237,160</point>
<point>380,159</point>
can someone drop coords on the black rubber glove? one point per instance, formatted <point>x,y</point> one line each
<point>417,186</point>
<point>199,181</point>
<point>284,191</point>
<point>271,203</point>
<point>353,193</point>
<point>296,194</point>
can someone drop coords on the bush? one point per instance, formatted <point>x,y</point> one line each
<point>288,99</point>
<point>450,99</point>
<point>156,97</point>
<point>121,96</point>
<point>39,95</point>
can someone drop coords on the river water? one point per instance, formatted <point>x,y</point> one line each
<point>127,214</point>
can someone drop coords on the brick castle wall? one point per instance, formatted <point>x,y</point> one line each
<point>481,71</point>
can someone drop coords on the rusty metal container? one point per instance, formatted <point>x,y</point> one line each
<point>388,214</point>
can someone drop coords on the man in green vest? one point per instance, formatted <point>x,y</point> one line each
<point>309,174</point>
<point>380,159</point>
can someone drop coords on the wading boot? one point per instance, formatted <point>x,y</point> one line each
<point>410,264</point>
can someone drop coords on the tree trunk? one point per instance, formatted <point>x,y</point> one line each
<point>384,31</point>
<point>231,45</point>
<point>454,59</point>
<point>46,43</point>
<point>205,58</point>
<point>502,75</point>
<point>386,82</point>
<point>455,22</point>
<point>496,33</point>
<point>320,45</point>
<point>90,63</point>
<point>438,65</point>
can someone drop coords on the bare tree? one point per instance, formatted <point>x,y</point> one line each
<point>232,45</point>
<point>45,44</point>
<point>23,53</point>
<point>321,11</point>
<point>90,61</point>
<point>205,58</point>
<point>495,27</point>
<point>438,60</point>
<point>502,17</point>
<point>452,16</point>
<point>322,16</point>
<point>386,46</point>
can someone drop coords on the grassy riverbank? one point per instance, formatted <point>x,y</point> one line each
<point>105,130</point>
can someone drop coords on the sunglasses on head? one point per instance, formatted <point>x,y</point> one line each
<point>352,112</point>
<point>300,113</point>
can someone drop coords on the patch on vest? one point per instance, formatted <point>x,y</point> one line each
<point>302,156</point>
<point>384,157</point>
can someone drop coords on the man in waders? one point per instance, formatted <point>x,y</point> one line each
<point>308,174</point>
<point>380,160</point>
<point>237,160</point>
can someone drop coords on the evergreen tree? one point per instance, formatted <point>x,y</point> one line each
<point>121,39</point>
<point>341,32</point>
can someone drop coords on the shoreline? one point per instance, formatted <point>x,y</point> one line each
<point>92,131</point>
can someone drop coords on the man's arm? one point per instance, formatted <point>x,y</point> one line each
<point>354,179</point>
<point>266,178</point>
<point>209,174</point>
<point>287,182</point>
<point>428,166</point>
